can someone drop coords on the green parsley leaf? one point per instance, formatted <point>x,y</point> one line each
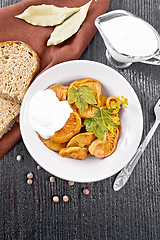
<point>81,105</point>
<point>86,93</point>
<point>72,95</point>
<point>92,126</point>
<point>81,96</point>
<point>105,115</point>
<point>99,123</point>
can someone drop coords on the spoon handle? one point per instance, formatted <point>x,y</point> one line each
<point>125,173</point>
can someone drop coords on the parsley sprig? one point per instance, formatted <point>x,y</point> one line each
<point>81,96</point>
<point>103,119</point>
<point>100,122</point>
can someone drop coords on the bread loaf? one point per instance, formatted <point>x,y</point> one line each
<point>9,112</point>
<point>18,65</point>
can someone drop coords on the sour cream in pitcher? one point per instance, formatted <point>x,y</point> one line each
<point>130,36</point>
<point>46,114</point>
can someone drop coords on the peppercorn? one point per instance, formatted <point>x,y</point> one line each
<point>30,175</point>
<point>86,191</point>
<point>55,199</point>
<point>65,198</point>
<point>38,167</point>
<point>19,158</point>
<point>29,181</point>
<point>71,183</point>
<point>52,179</point>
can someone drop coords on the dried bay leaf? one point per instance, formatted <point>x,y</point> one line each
<point>69,27</point>
<point>46,15</point>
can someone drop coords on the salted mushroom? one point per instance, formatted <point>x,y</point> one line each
<point>106,147</point>
<point>52,145</point>
<point>60,90</point>
<point>74,152</point>
<point>82,140</point>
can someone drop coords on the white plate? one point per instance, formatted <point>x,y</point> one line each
<point>90,169</point>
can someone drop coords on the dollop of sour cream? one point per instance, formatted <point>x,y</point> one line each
<point>46,114</point>
<point>130,35</point>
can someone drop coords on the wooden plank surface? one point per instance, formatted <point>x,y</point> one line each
<point>28,212</point>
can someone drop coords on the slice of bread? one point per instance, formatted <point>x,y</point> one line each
<point>9,112</point>
<point>19,63</point>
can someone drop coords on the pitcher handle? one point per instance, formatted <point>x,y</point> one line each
<point>154,60</point>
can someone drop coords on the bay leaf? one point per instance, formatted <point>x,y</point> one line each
<point>46,15</point>
<point>69,27</point>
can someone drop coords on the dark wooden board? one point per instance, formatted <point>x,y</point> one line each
<point>28,211</point>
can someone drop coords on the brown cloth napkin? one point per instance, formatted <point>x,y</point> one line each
<point>12,28</point>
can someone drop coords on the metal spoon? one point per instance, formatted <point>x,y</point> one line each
<point>125,173</point>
